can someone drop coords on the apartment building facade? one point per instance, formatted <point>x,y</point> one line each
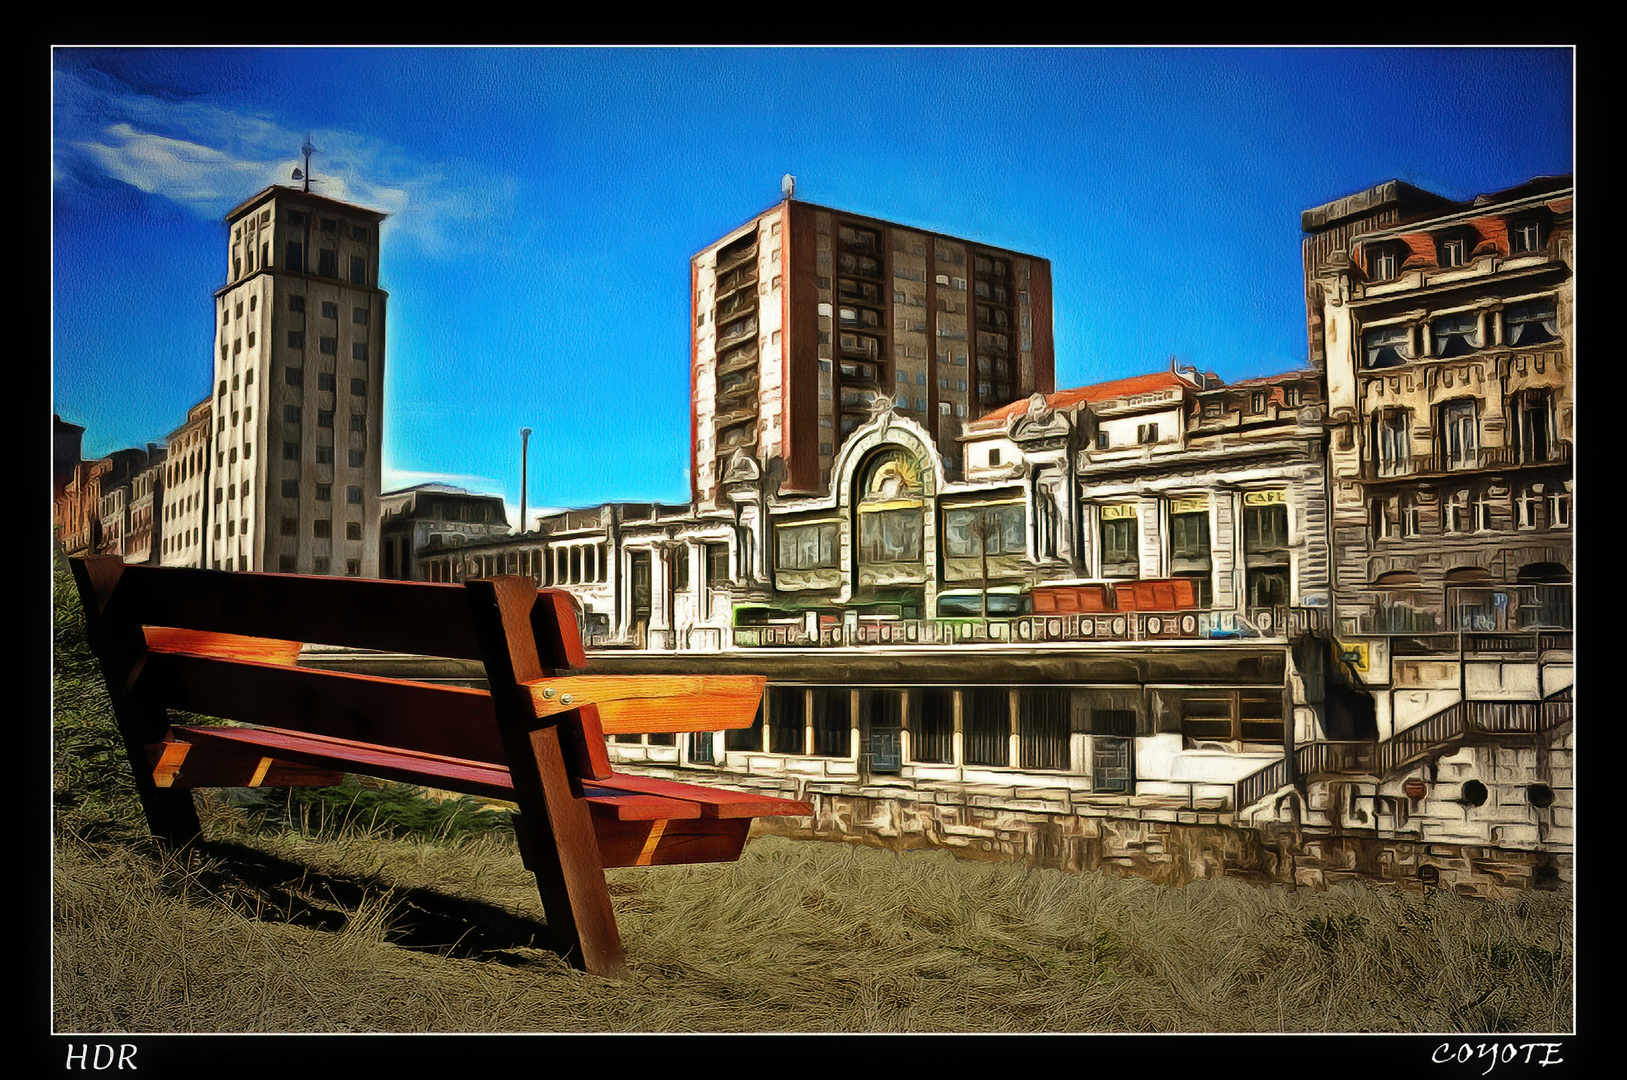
<point>804,316</point>
<point>298,389</point>
<point>1447,343</point>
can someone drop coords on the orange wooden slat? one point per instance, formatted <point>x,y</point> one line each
<point>653,703</point>
<point>670,843</point>
<point>219,764</point>
<point>405,766</point>
<point>715,802</point>
<point>170,639</point>
<point>626,805</point>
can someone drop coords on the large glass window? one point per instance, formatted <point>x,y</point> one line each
<point>932,724</point>
<point>890,535</point>
<point>995,530</point>
<point>1455,335</point>
<point>807,547</point>
<point>1386,346</point>
<point>1534,322</point>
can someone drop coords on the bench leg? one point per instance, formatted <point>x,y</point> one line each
<point>559,845</point>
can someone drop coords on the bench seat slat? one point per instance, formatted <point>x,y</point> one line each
<point>648,704</point>
<point>715,802</point>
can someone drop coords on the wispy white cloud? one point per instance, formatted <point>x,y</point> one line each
<point>207,158</point>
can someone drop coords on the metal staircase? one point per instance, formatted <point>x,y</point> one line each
<point>1430,737</point>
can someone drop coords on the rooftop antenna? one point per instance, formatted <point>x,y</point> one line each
<point>304,175</point>
<point>788,186</point>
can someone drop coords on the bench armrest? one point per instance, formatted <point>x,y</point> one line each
<point>634,704</point>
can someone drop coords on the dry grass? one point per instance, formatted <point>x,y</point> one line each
<point>366,932</point>
<point>382,914</point>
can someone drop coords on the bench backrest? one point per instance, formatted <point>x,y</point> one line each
<point>223,644</point>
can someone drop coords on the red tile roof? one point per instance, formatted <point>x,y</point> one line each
<point>1064,399</point>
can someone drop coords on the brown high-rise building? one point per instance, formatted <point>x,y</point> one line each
<point>804,316</point>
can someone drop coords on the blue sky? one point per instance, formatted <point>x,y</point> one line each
<point>544,204</point>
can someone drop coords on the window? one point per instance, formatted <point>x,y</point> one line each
<point>327,263</point>
<point>358,422</point>
<point>296,255</point>
<point>358,350</point>
<point>319,566</point>
<point>324,417</point>
<point>1386,346</point>
<point>717,565</point>
<point>1559,508</point>
<point>353,530</point>
<point>1455,512</point>
<point>358,316</point>
<point>1120,553</point>
<point>806,547</point>
<point>1392,442</point>
<point>1527,505</point>
<point>1101,440</point>
<point>290,489</point>
<point>1146,433</point>
<point>330,310</point>
<point>353,495</point>
<point>1535,322</point>
<point>290,526</point>
<point>994,458</point>
<point>1409,514</point>
<point>1383,262</point>
<point>353,567</point>
<point>329,346</point>
<point>1525,236</point>
<point>357,457</point>
<point>324,380</point>
<point>1380,519</point>
<point>358,387</point>
<point>324,492</point>
<point>1480,510</point>
<point>290,414</point>
<point>970,532</point>
<point>890,535</point>
<point>1234,716</point>
<point>1265,521</point>
<point>1257,402</point>
<point>1452,252</point>
<point>358,232</point>
<point>290,451</point>
<point>1531,416</point>
<point>296,303</point>
<point>322,527</point>
<point>358,270</point>
<point>324,455</point>
<point>222,392</point>
<point>329,225</point>
<point>1459,434</point>
<point>1455,335</point>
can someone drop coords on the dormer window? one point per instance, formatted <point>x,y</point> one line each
<point>1455,335</point>
<point>1525,236</point>
<point>1453,251</point>
<point>1383,262</point>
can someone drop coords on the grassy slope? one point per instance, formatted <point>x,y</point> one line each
<point>409,916</point>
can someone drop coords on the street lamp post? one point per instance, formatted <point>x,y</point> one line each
<point>525,441</point>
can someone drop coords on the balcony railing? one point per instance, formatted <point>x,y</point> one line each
<point>1277,624</point>
<point>1443,464</point>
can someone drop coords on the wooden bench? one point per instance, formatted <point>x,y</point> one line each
<point>225,645</point>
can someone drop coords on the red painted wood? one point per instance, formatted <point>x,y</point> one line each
<point>670,843</point>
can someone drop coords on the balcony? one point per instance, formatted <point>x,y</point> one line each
<point>1441,464</point>
<point>1266,625</point>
